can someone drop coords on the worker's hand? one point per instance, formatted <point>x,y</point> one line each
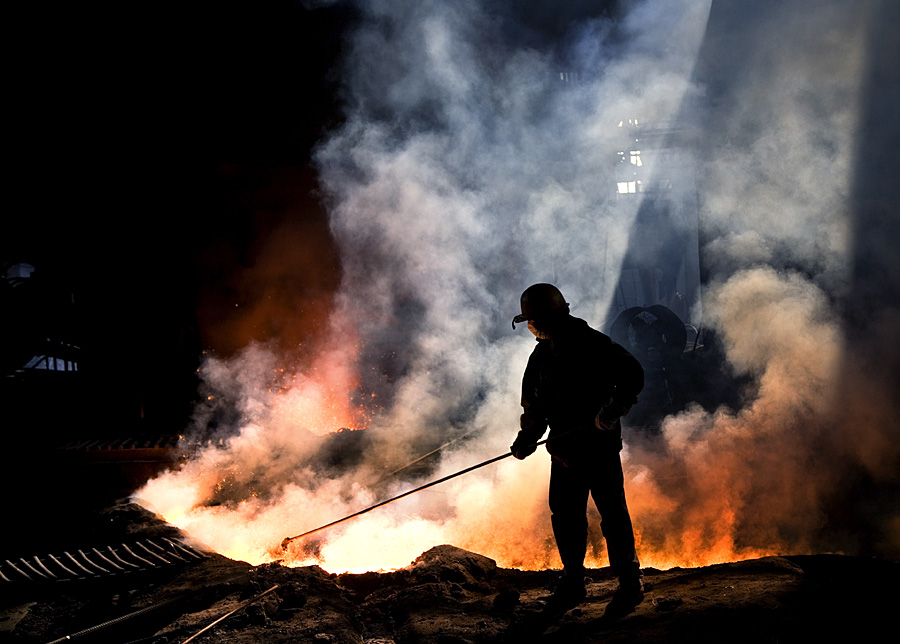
<point>522,449</point>
<point>610,413</point>
<point>604,421</point>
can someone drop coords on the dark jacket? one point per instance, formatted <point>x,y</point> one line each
<point>569,379</point>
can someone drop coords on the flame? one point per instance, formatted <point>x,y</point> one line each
<point>501,514</point>
<point>242,496</point>
<point>711,487</point>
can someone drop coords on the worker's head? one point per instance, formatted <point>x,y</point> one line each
<point>542,306</point>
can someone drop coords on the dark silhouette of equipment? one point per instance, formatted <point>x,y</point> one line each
<point>658,339</point>
<point>653,334</point>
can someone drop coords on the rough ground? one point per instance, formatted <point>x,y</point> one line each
<point>451,596</point>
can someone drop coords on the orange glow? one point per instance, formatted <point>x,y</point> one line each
<point>499,513</point>
<point>709,487</point>
<point>243,496</point>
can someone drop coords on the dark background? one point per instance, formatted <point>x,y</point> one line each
<point>152,151</point>
<point>151,148</point>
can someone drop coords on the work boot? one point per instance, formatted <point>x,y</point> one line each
<point>569,592</point>
<point>628,595</point>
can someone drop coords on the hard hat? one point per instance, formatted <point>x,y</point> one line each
<point>538,301</point>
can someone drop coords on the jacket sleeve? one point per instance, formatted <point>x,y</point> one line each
<point>533,422</point>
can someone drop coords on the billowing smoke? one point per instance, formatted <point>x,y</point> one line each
<point>787,142</point>
<point>477,156</point>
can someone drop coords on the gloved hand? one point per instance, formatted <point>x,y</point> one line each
<point>521,449</point>
<point>611,412</point>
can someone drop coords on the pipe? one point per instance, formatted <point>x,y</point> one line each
<point>147,609</point>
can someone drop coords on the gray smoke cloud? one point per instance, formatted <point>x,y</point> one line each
<point>478,156</point>
<point>469,169</point>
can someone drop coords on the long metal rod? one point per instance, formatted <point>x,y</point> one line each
<point>421,458</point>
<point>243,604</point>
<point>151,608</point>
<point>115,621</point>
<point>284,544</point>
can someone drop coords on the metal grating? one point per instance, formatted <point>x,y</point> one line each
<point>97,563</point>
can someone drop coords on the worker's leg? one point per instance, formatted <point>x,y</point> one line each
<point>608,492</point>
<point>568,508</point>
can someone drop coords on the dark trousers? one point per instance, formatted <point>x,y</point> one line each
<point>569,487</point>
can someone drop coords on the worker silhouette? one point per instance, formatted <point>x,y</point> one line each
<point>579,383</point>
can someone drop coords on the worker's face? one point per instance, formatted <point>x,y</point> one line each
<point>537,330</point>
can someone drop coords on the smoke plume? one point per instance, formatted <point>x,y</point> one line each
<point>476,157</point>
